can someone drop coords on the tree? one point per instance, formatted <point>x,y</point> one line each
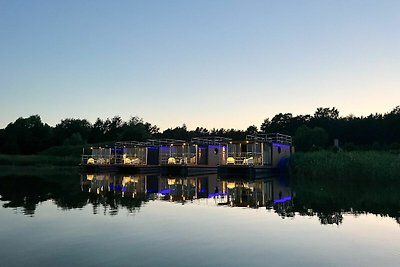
<point>251,130</point>
<point>281,123</point>
<point>67,127</point>
<point>136,129</point>
<point>307,139</point>
<point>326,113</point>
<point>265,125</point>
<point>97,132</point>
<point>26,136</point>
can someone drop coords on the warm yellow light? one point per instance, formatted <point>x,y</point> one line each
<point>171,161</point>
<point>125,180</point>
<point>230,160</point>
<point>89,177</point>
<point>230,185</point>
<point>171,181</point>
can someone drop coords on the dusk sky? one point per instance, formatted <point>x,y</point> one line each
<point>203,63</point>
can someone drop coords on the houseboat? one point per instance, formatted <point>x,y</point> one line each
<point>200,155</point>
<point>259,154</point>
<point>136,157</point>
<point>100,159</point>
<point>125,157</point>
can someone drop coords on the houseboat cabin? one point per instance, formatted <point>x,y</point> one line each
<point>253,151</point>
<point>257,154</point>
<point>98,156</point>
<point>100,159</point>
<point>200,155</point>
<point>136,153</point>
<point>207,151</point>
<point>127,156</point>
<point>174,152</point>
<point>211,150</point>
<point>259,150</point>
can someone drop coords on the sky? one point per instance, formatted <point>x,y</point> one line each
<point>222,64</point>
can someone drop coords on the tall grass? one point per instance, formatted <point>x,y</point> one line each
<point>38,160</point>
<point>370,165</point>
<point>63,151</point>
<point>67,155</point>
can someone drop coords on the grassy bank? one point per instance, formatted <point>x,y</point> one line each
<point>59,156</point>
<point>370,165</point>
<point>38,160</point>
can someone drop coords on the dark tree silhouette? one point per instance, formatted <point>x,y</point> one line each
<point>376,131</point>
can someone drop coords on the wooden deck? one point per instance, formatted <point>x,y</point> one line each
<point>245,171</point>
<point>187,170</point>
<point>121,168</point>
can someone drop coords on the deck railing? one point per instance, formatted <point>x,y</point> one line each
<point>211,140</point>
<point>178,158</point>
<point>130,144</point>
<point>272,138</point>
<point>279,138</point>
<point>244,158</point>
<point>165,141</point>
<point>90,159</point>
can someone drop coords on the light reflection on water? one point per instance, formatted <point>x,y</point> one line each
<point>111,219</point>
<point>269,193</point>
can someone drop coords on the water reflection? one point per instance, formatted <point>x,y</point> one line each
<point>330,200</point>
<point>24,193</point>
<point>110,193</point>
<point>271,193</point>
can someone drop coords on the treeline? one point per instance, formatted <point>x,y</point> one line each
<point>310,132</point>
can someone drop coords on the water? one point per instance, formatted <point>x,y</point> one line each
<point>68,219</point>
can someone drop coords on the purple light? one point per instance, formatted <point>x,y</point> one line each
<point>165,191</point>
<point>216,194</point>
<point>284,199</point>
<point>116,187</point>
<point>280,145</point>
<point>214,146</point>
<point>151,191</point>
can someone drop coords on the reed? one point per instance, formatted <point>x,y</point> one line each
<point>362,165</point>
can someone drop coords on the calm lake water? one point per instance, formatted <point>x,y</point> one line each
<point>67,219</point>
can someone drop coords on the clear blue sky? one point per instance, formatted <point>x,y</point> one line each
<point>203,63</point>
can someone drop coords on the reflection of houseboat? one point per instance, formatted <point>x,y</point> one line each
<point>150,186</point>
<point>177,188</point>
<point>257,155</point>
<point>126,185</point>
<point>201,155</point>
<point>267,192</point>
